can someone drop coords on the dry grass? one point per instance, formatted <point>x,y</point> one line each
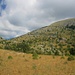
<point>23,64</point>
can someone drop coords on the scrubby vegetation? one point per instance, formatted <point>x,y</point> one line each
<point>56,39</point>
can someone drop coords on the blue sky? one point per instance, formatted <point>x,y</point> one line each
<point>2,6</point>
<point>18,17</point>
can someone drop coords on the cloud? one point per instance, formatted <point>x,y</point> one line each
<point>60,8</point>
<point>8,30</point>
<point>22,16</point>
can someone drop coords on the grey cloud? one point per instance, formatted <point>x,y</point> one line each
<point>8,30</point>
<point>61,8</point>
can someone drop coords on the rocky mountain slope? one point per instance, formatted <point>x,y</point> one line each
<point>57,38</point>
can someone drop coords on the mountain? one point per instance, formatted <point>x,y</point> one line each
<point>57,38</point>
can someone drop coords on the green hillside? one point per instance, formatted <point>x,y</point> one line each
<point>57,39</point>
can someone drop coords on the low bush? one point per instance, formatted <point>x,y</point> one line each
<point>70,58</point>
<point>35,55</point>
<point>10,57</point>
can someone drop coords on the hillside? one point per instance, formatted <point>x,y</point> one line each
<point>14,63</point>
<point>57,38</point>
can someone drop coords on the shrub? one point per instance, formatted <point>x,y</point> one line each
<point>70,58</point>
<point>56,53</point>
<point>72,51</point>
<point>35,55</point>
<point>10,57</point>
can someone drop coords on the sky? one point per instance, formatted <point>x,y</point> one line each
<point>18,17</point>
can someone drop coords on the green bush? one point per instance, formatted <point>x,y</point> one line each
<point>72,51</point>
<point>10,57</point>
<point>70,58</point>
<point>56,53</point>
<point>35,55</point>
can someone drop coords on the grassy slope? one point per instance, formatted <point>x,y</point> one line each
<point>23,64</point>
